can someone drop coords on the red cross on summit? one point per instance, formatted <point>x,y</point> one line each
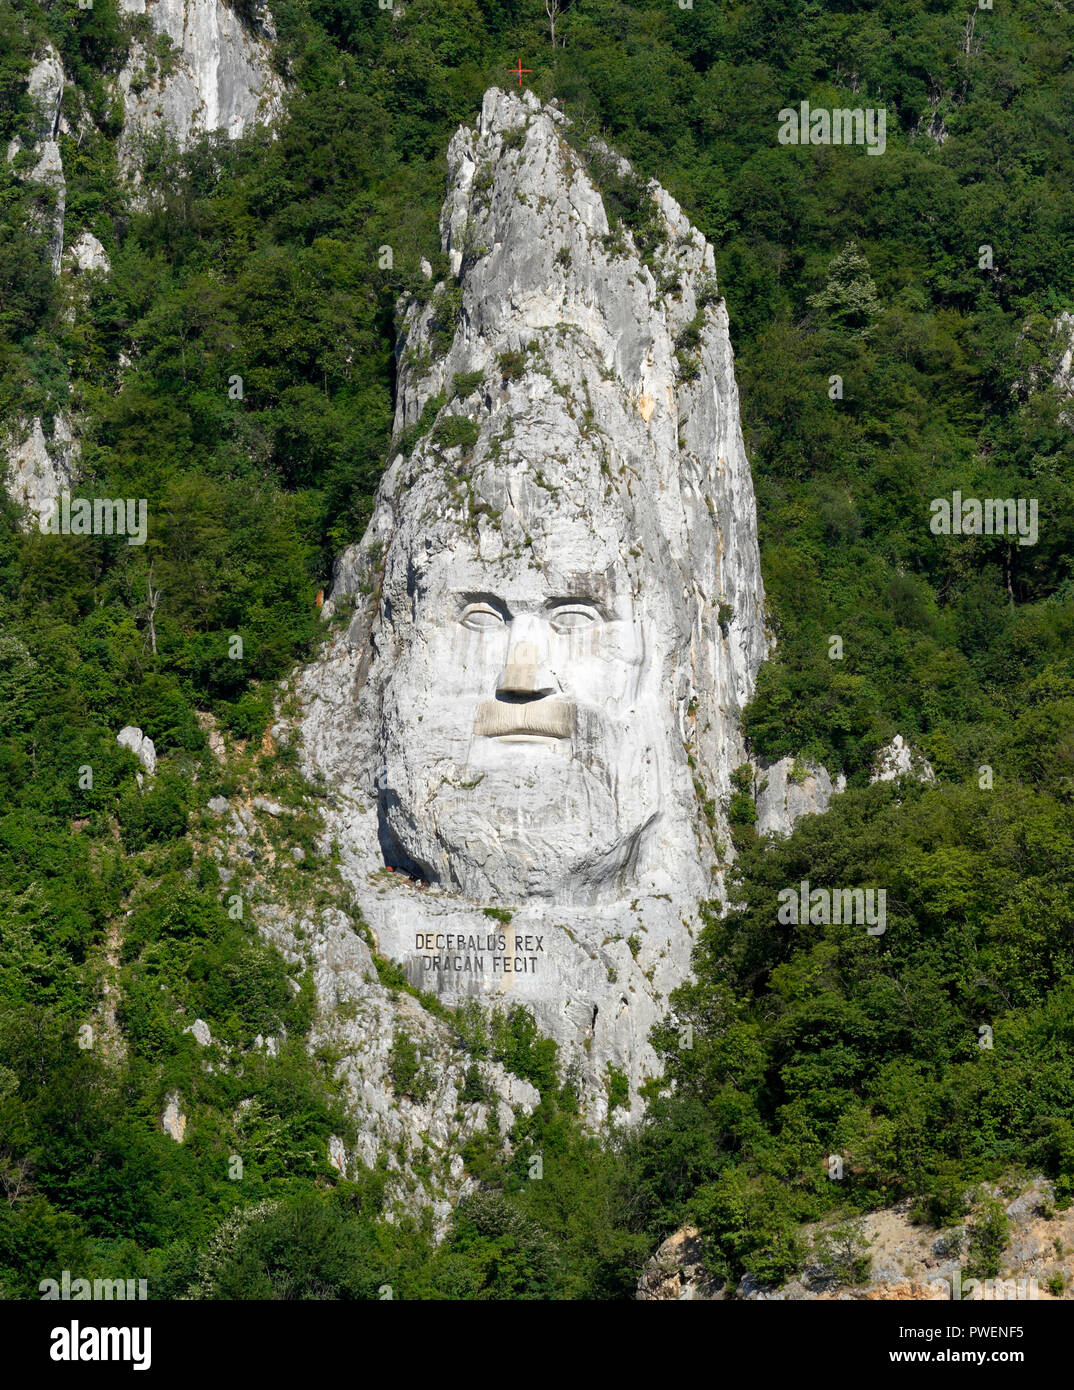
<point>519,71</point>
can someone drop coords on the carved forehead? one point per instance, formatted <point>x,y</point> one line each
<point>454,573</point>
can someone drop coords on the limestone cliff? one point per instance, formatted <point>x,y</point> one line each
<point>1063,373</point>
<point>217,76</point>
<point>204,69</point>
<point>39,468</point>
<point>788,789</point>
<point>534,712</point>
<point>36,466</point>
<point>45,84</point>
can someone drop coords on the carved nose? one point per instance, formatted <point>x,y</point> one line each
<point>524,674</point>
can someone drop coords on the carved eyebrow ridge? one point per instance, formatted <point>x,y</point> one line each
<point>465,600</point>
<point>569,600</point>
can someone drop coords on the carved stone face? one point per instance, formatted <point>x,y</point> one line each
<point>518,730</point>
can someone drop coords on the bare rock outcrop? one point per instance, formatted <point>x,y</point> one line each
<point>141,745</point>
<point>534,714</point>
<point>46,84</point>
<point>39,468</point>
<point>897,759</point>
<point>217,76</point>
<point>790,788</point>
<point>677,1273</point>
<point>903,1259</point>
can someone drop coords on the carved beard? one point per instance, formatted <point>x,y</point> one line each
<point>520,821</point>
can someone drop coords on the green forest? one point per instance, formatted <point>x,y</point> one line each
<point>260,257</point>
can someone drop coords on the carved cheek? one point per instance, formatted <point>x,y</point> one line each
<point>474,656</point>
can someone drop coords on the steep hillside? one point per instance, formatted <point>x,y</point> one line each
<point>362,336</point>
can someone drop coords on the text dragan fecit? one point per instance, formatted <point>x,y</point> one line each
<point>498,953</point>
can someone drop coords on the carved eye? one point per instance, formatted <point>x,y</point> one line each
<point>574,618</point>
<point>481,617</point>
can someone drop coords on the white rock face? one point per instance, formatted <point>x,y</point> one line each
<point>141,745</point>
<point>222,77</point>
<point>200,1029</point>
<point>898,759</point>
<point>1064,371</point>
<point>87,253</point>
<point>38,469</point>
<point>46,83</point>
<point>359,1018</point>
<point>173,1121</point>
<point>786,790</point>
<point>570,611</point>
<point>1063,377</point>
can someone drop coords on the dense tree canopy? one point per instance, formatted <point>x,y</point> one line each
<point>261,260</point>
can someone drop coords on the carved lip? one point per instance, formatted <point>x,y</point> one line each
<point>535,718</point>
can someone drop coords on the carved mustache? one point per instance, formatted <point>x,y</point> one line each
<point>542,718</point>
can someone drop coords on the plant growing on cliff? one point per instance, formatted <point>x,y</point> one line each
<point>447,304</point>
<point>409,1075</point>
<point>840,1254</point>
<point>512,364</point>
<point>407,438</point>
<point>473,1088</point>
<point>989,1231</point>
<point>455,432</point>
<point>463,384</point>
<point>617,1084</point>
<point>741,808</point>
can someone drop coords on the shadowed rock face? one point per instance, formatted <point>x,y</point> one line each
<point>564,611</point>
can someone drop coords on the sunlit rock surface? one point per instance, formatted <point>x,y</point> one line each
<point>786,790</point>
<point>898,759</point>
<point>218,77</point>
<point>39,468</point>
<point>559,611</point>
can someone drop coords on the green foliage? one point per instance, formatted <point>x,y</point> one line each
<point>259,258</point>
<point>848,300</point>
<point>517,1042</point>
<point>812,1040</point>
<point>464,384</point>
<point>512,364</point>
<point>410,1076</point>
<point>741,809</point>
<point>618,1086</point>
<point>494,1251</point>
<point>157,812</point>
<point>308,1247</point>
<point>473,1087</point>
<point>448,303</point>
<point>841,1254</point>
<point>989,1232</point>
<point>455,432</point>
<point>749,1226</point>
